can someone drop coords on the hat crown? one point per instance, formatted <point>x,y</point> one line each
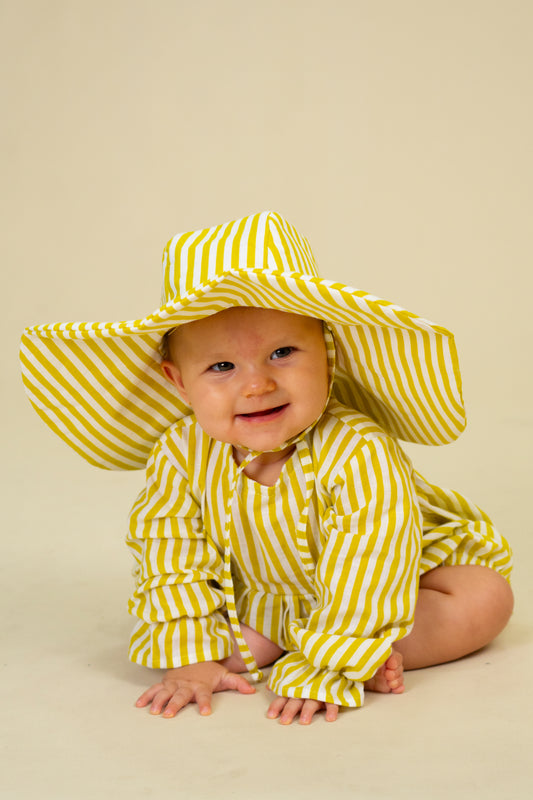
<point>264,241</point>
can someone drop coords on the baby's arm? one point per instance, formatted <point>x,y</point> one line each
<point>194,683</point>
<point>366,580</point>
<point>178,600</point>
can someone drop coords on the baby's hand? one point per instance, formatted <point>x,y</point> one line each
<point>194,683</point>
<point>290,707</point>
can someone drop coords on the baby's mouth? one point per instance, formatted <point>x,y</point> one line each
<point>266,412</point>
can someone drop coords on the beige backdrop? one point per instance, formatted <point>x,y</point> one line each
<point>397,136</point>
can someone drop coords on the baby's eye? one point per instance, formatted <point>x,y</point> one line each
<point>221,366</point>
<point>282,352</point>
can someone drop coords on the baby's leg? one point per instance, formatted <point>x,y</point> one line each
<point>263,650</point>
<point>460,609</point>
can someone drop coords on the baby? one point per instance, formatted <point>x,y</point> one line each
<point>281,522</point>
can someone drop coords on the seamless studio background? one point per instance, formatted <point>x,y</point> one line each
<point>397,137</point>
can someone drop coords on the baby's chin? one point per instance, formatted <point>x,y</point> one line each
<point>269,444</point>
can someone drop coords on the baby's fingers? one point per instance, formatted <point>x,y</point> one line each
<point>148,695</point>
<point>237,683</point>
<point>332,712</point>
<point>203,699</point>
<point>309,709</point>
<point>174,703</point>
<point>276,707</point>
<point>289,708</point>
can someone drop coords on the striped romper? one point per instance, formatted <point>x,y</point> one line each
<point>325,563</point>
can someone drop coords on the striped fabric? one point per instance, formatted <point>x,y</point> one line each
<point>99,385</point>
<point>325,563</point>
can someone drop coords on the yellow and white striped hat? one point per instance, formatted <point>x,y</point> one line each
<point>99,385</point>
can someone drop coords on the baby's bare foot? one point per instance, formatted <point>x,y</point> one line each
<point>389,677</point>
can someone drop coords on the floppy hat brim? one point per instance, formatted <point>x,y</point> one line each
<point>100,388</point>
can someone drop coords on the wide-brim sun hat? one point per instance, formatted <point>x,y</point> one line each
<point>99,385</point>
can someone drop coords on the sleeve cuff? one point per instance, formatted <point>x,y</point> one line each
<point>180,642</point>
<point>293,676</point>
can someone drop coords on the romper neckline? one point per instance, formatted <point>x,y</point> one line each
<point>287,469</point>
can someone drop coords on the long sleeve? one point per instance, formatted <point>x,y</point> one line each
<point>177,597</point>
<point>366,577</point>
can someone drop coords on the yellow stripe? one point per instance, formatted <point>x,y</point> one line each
<point>109,458</point>
<point>90,411</point>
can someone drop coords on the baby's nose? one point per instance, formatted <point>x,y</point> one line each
<point>258,383</point>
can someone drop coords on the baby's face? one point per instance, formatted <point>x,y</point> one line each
<point>254,377</point>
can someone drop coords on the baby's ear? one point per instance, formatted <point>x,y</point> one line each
<point>173,376</point>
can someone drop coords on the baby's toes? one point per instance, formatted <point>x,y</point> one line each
<point>389,677</point>
<point>395,684</point>
<point>394,680</point>
<point>378,683</point>
<point>393,673</point>
<point>394,662</point>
